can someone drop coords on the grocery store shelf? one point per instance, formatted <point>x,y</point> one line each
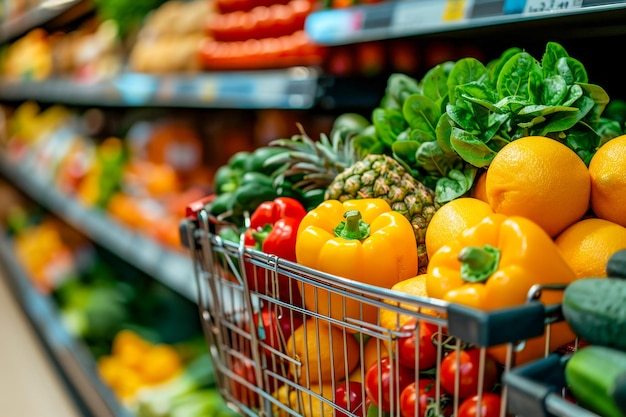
<point>46,11</point>
<point>291,88</point>
<point>171,268</point>
<point>71,356</point>
<point>396,19</point>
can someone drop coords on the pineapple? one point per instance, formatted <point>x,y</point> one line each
<point>381,176</point>
<point>334,169</point>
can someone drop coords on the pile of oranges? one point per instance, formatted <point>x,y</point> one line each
<point>581,207</point>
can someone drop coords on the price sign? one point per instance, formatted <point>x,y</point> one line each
<point>207,89</point>
<point>455,10</point>
<point>543,6</point>
<point>423,15</point>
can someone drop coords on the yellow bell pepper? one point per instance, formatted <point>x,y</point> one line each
<point>362,240</point>
<point>495,263</point>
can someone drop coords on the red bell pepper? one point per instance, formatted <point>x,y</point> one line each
<point>273,230</point>
<point>274,225</point>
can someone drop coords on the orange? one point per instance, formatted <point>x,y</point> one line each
<point>374,349</point>
<point>607,169</point>
<point>160,363</point>
<point>451,219</point>
<point>416,286</point>
<point>541,179</point>
<point>325,352</point>
<point>588,244</point>
<point>304,403</point>
<point>479,190</point>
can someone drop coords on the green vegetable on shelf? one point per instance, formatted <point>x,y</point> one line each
<point>162,400</point>
<point>596,376</point>
<point>450,124</point>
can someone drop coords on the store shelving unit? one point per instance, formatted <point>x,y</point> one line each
<point>77,364</point>
<point>47,11</point>
<point>423,17</point>
<point>292,88</point>
<point>172,268</point>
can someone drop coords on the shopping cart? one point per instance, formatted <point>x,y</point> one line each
<point>538,389</point>
<point>276,356</point>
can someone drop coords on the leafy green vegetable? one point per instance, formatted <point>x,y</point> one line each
<point>452,122</point>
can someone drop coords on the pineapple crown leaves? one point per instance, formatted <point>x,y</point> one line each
<point>310,164</point>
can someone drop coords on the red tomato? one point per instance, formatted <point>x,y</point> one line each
<point>468,370</point>
<point>282,19</point>
<point>274,326</point>
<point>383,385</point>
<point>245,370</point>
<point>408,348</point>
<point>490,406</point>
<point>424,395</point>
<point>349,396</point>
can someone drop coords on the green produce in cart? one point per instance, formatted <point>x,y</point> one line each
<point>596,375</point>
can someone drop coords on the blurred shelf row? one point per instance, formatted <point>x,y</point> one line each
<point>155,74</point>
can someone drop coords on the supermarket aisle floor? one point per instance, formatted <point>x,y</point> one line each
<point>29,384</point>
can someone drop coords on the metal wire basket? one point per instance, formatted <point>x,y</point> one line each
<point>274,356</point>
<point>538,389</point>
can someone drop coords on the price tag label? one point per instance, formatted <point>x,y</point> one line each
<point>543,6</point>
<point>207,89</point>
<point>334,25</point>
<point>455,10</point>
<point>413,16</point>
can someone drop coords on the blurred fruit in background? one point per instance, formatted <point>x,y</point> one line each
<point>29,58</point>
<point>170,38</point>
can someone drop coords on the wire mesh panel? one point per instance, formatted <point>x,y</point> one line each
<point>291,341</point>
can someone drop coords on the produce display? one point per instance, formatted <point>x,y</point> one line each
<point>487,185</point>
<point>469,186</point>
<point>188,37</point>
<point>145,347</point>
<point>142,182</point>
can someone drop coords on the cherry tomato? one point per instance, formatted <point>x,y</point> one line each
<point>424,394</point>
<point>385,381</point>
<point>422,341</point>
<point>468,370</point>
<point>245,370</point>
<point>490,406</point>
<point>349,396</point>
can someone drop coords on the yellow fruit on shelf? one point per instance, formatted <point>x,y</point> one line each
<point>587,245</point>
<point>541,179</point>
<point>304,403</point>
<point>479,190</point>
<point>607,169</point>
<point>416,286</point>
<point>325,352</point>
<point>451,219</point>
<point>374,349</point>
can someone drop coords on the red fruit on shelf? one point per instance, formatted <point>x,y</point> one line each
<point>490,405</point>
<point>468,369</point>
<point>274,325</point>
<point>418,343</point>
<point>384,381</point>
<point>419,397</point>
<point>349,396</point>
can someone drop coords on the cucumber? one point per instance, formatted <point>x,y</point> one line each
<point>595,310</point>
<point>616,265</point>
<point>596,376</point>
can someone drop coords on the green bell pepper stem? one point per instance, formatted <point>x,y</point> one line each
<point>478,263</point>
<point>354,228</point>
